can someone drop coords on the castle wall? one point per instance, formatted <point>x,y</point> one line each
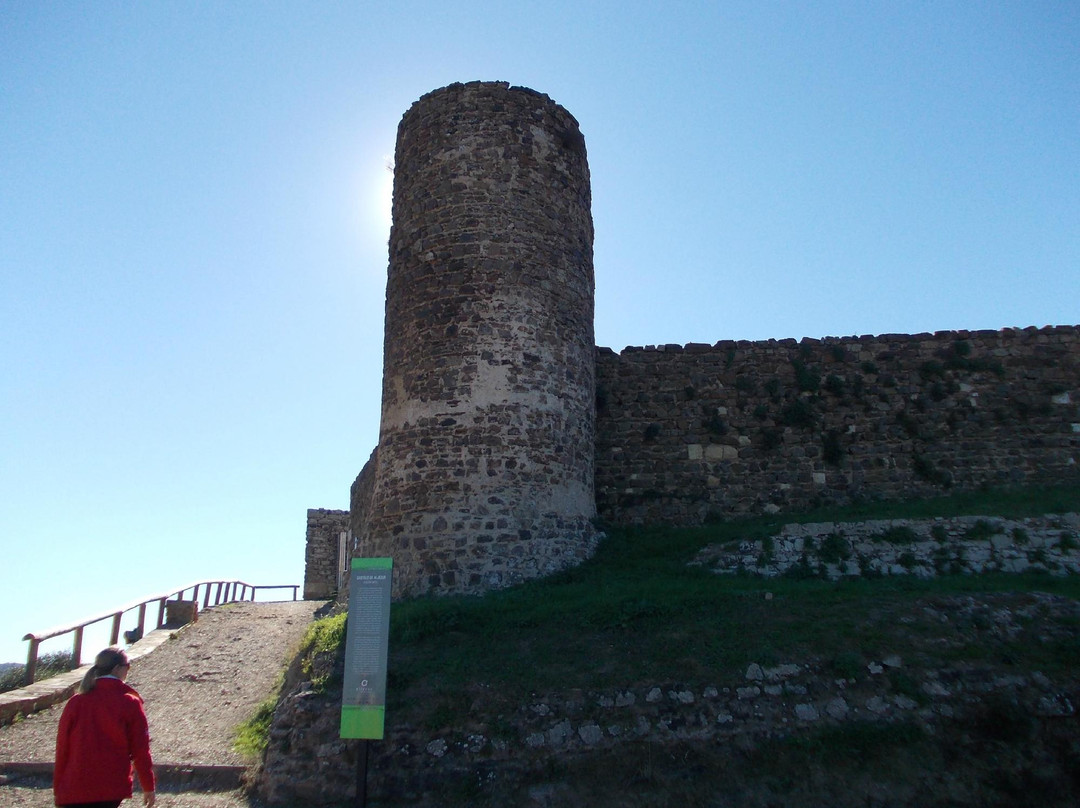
<point>321,556</point>
<point>484,471</point>
<point>686,434</point>
<point>504,431</point>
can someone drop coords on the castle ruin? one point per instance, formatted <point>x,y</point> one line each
<point>505,431</point>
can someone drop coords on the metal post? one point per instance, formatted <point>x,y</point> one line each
<point>114,635</point>
<point>361,774</point>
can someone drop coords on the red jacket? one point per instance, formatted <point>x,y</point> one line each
<point>101,733</point>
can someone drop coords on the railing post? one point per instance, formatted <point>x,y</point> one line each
<point>195,593</point>
<point>142,621</point>
<point>76,647</point>
<point>31,663</point>
<point>161,612</point>
<point>114,635</point>
<point>217,594</point>
<point>206,596</point>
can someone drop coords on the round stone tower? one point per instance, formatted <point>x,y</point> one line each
<point>484,470</point>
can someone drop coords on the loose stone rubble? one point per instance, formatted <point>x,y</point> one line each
<point>922,547</point>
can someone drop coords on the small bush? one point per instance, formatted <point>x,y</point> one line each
<point>981,531</point>
<point>11,679</point>
<point>745,384</point>
<point>768,551</point>
<point>846,665</point>
<point>924,468</point>
<point>772,439</point>
<point>1020,536</point>
<point>799,413</point>
<point>806,378</point>
<point>835,384</point>
<point>252,736</point>
<point>48,665</point>
<point>901,534</point>
<point>939,533</point>
<point>834,549</point>
<point>1067,541</point>
<point>908,423</point>
<point>801,571</point>
<point>832,452</point>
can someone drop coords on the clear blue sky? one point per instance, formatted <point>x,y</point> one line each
<point>193,225</point>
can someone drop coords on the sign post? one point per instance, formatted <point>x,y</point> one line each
<point>367,636</point>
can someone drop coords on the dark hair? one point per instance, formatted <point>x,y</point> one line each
<point>104,664</point>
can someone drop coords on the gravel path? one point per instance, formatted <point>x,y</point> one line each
<point>197,688</point>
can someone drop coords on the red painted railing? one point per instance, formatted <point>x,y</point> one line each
<point>220,591</point>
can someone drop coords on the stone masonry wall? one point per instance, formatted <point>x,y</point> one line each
<point>484,470</point>
<point>690,433</point>
<point>324,528</point>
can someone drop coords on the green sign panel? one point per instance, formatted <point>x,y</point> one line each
<point>363,702</point>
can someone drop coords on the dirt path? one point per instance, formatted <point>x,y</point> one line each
<point>197,688</point>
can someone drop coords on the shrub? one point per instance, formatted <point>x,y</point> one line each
<point>772,439</point>
<point>716,425</point>
<point>806,378</point>
<point>981,531</point>
<point>1067,541</point>
<point>799,413</point>
<point>834,549</point>
<point>901,534</point>
<point>831,450</point>
<point>48,665</point>
<point>745,384</point>
<point>1020,536</point>
<point>924,468</point>
<point>846,665</point>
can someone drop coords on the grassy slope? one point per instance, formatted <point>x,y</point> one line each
<point>637,613</point>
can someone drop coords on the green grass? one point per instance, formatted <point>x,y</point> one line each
<point>637,613</point>
<point>252,736</point>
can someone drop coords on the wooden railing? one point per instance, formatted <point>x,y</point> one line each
<point>220,591</point>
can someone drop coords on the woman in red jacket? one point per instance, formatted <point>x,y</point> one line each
<point>102,732</point>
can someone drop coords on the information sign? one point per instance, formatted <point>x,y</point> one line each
<point>363,702</point>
